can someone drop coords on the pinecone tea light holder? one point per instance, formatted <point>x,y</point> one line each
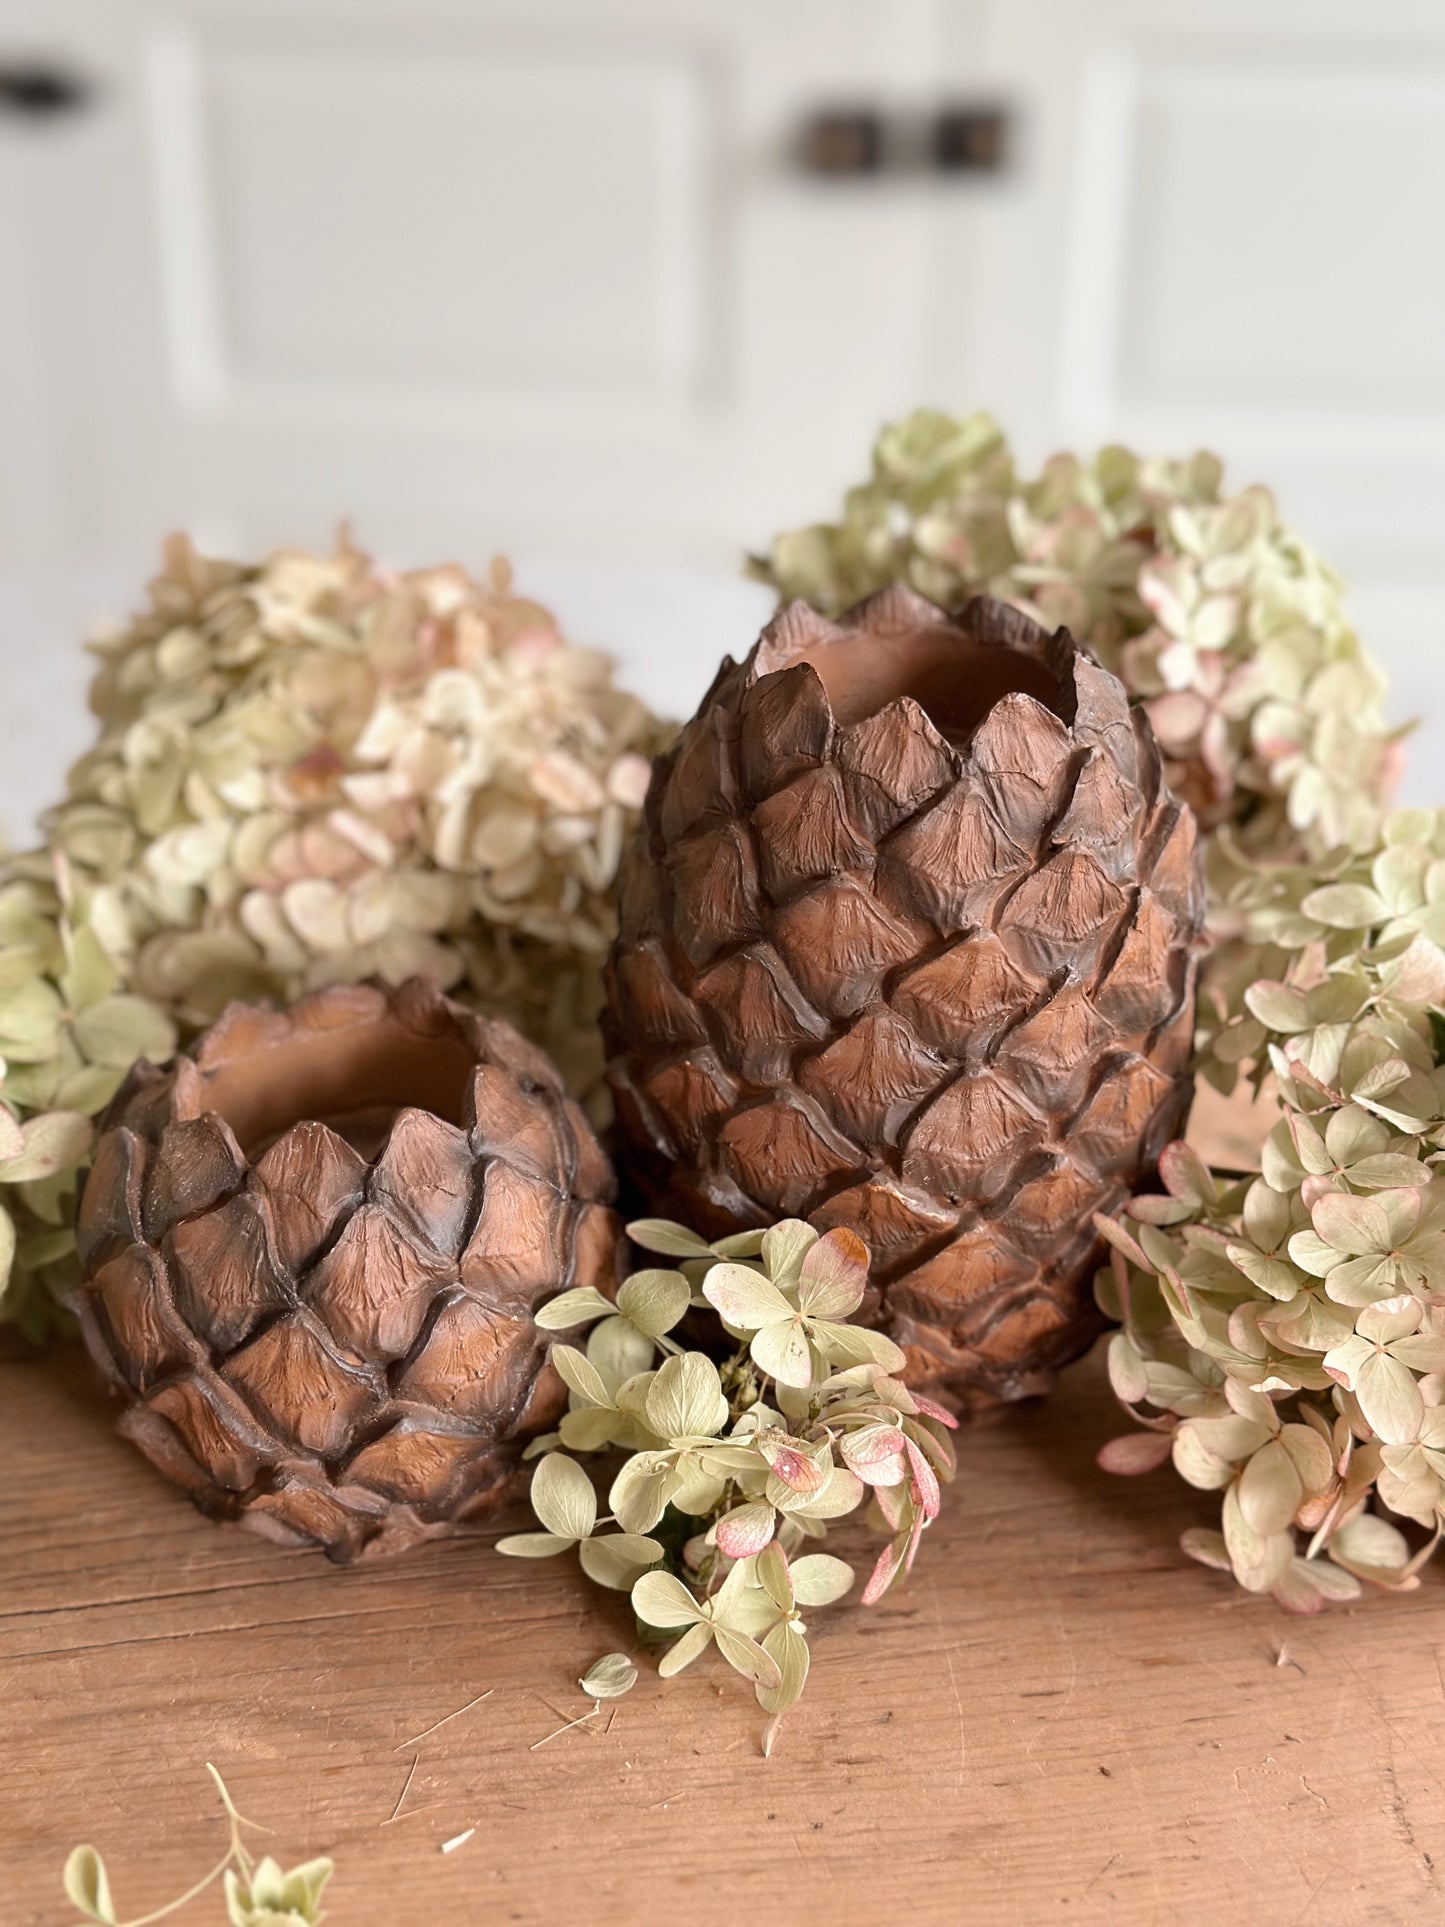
<point>907,945</point>
<point>312,1250</point>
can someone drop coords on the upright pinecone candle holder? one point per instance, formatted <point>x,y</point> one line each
<point>906,946</point>
<point>313,1248</point>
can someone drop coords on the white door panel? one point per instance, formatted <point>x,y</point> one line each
<point>1228,233</point>
<point>541,275</point>
<point>529,272</point>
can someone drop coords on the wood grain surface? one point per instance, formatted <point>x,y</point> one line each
<point>1060,1719</point>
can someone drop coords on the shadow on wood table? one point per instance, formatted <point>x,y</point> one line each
<point>1060,1719</point>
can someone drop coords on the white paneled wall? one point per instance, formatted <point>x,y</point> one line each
<point>542,275</point>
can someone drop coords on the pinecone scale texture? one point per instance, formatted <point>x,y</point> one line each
<point>320,1316</point>
<point>907,944</point>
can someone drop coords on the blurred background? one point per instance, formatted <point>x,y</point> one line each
<point>622,287</point>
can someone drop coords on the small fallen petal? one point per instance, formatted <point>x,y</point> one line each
<point>1135,1452</point>
<point>457,1840</point>
<point>609,1678</point>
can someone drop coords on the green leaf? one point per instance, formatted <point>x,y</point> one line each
<point>55,1141</point>
<point>819,1579</point>
<point>654,1300</point>
<point>30,1017</point>
<point>773,1575</point>
<point>615,1559</point>
<point>571,1308</point>
<point>747,1657</point>
<point>1370,1545</point>
<point>855,1345</point>
<point>782,1350</point>
<point>640,1491</point>
<point>685,1399</point>
<point>619,1350</point>
<point>589,1428</point>
<point>1388,1171</point>
<point>1277,1006</point>
<point>1390,1399</point>
<point>533,1545</point>
<point>1346,906</point>
<point>120,1029</point>
<point>1358,1227</point>
<point>89,1089</point>
<point>580,1375</point>
<point>609,1677</point>
<point>1272,1275</point>
<point>786,1646</point>
<point>87,1887</point>
<point>661,1599</point>
<point>563,1498</point>
<point>740,1244</point>
<point>673,1240</point>
<point>694,1642</point>
<point>1270,1489</point>
<point>784,1247</point>
<point>744,1300</point>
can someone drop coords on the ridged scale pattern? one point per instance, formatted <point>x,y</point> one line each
<point>336,1344</point>
<point>941,992</point>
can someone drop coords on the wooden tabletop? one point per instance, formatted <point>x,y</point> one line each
<point>1060,1719</point>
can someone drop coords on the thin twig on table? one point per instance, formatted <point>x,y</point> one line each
<point>440,1723</point>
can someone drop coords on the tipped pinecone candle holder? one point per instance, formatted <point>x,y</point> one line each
<point>906,945</point>
<point>313,1247</point>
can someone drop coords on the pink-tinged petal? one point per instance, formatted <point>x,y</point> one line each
<point>924,1484</point>
<point>892,1501</point>
<point>876,1454</point>
<point>796,1470</point>
<point>1214,753</point>
<point>834,1275</point>
<point>914,1538</point>
<point>1136,1452</point>
<point>884,1572</point>
<point>1391,769</point>
<point>745,1530</point>
<point>930,1408</point>
<point>1177,719</point>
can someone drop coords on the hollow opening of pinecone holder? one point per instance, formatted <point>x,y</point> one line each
<point>313,1248</point>
<point>955,681</point>
<point>906,944</point>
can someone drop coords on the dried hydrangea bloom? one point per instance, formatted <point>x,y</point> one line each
<point>1217,618</point>
<point>68,1035</point>
<point>314,769</point>
<point>1288,1330</point>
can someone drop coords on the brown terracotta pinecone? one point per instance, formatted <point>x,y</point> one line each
<point>313,1249</point>
<point>907,945</point>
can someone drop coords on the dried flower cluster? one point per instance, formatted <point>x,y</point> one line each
<point>309,770</point>
<point>1289,1329</point>
<point>257,1894</point>
<point>68,1035</point>
<point>313,769</point>
<point>1217,618</point>
<point>732,1468</point>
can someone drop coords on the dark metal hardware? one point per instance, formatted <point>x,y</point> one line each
<point>36,90</point>
<point>841,140</point>
<point>970,140</point>
<point>961,137</point>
